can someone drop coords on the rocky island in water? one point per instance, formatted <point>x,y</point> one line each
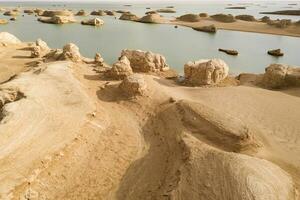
<point>81,127</point>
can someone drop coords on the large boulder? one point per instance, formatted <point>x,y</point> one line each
<point>8,38</point>
<point>133,85</point>
<point>129,16</point>
<point>205,72</point>
<point>189,18</point>
<point>223,18</point>
<point>151,18</point>
<point>249,18</point>
<point>145,61</point>
<point>203,14</point>
<point>120,69</point>
<point>36,52</point>
<point>57,19</point>
<point>280,75</point>
<point>28,11</point>
<point>93,22</point>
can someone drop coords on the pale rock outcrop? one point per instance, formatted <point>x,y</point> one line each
<point>71,52</point>
<point>205,72</point>
<point>8,38</point>
<point>133,85</point>
<point>57,19</point>
<point>280,75</point>
<point>129,16</point>
<point>151,18</point>
<point>39,12</point>
<point>98,59</point>
<point>145,61</point>
<point>120,69</point>
<point>93,22</point>
<point>42,44</point>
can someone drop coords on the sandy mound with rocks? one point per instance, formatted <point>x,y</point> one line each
<point>77,135</point>
<point>189,18</point>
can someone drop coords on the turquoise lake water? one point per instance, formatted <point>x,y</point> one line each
<point>177,45</point>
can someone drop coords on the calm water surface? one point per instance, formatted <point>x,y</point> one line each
<point>177,45</point>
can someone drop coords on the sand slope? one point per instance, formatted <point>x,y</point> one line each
<point>75,135</point>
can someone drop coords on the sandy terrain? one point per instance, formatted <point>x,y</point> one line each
<point>256,27</point>
<point>75,135</point>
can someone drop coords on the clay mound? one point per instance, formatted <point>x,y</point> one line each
<point>283,23</point>
<point>9,38</point>
<point>189,18</point>
<point>249,18</point>
<point>223,18</point>
<point>203,15</point>
<point>129,16</point>
<point>52,13</point>
<point>151,18</point>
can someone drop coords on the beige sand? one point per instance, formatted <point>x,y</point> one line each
<point>257,27</point>
<point>76,136</point>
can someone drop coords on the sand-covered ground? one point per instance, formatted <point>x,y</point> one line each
<point>73,134</point>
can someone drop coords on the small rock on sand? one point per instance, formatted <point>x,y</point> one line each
<point>134,85</point>
<point>208,29</point>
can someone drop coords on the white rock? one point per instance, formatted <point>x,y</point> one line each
<point>205,72</point>
<point>9,38</point>
<point>145,61</point>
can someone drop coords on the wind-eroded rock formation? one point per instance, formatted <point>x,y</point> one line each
<point>205,72</point>
<point>145,61</point>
